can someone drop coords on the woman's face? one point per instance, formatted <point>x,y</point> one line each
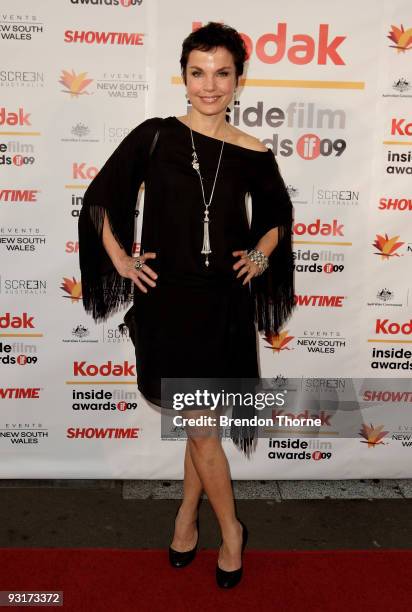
<point>210,80</point>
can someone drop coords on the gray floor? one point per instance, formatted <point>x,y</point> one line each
<point>292,515</point>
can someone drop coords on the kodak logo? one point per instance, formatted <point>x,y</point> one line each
<point>82,368</point>
<point>384,326</point>
<point>11,118</point>
<point>16,322</point>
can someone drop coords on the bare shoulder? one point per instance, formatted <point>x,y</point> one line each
<point>243,139</point>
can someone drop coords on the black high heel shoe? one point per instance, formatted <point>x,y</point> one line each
<point>181,559</point>
<point>227,580</point>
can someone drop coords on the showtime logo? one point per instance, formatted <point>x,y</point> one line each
<point>20,392</point>
<point>387,396</point>
<point>81,171</point>
<point>272,47</point>
<point>314,229</point>
<point>16,322</point>
<point>395,204</point>
<point>72,246</point>
<point>82,368</point>
<point>18,195</point>
<point>400,128</point>
<point>384,326</point>
<point>331,301</point>
<point>14,118</point>
<point>91,37</point>
<point>103,433</point>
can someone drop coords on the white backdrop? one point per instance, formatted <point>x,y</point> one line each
<point>330,91</point>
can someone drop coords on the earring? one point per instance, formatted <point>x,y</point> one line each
<point>236,101</point>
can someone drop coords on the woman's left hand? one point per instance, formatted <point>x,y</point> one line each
<point>248,267</point>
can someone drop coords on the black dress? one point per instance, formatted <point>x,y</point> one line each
<point>199,321</point>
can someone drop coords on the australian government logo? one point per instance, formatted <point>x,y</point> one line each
<point>400,87</point>
<point>387,298</point>
<point>79,132</point>
<point>80,333</point>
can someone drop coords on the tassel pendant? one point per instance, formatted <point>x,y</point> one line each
<point>206,250</point>
<point>195,162</point>
<point>206,241</point>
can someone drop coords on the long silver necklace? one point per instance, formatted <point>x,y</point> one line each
<point>206,250</point>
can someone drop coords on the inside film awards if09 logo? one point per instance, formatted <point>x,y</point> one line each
<point>303,115</point>
<point>120,3</point>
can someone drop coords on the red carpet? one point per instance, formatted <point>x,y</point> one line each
<point>126,580</point>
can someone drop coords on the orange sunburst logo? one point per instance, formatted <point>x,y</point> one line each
<point>401,37</point>
<point>73,288</point>
<point>373,435</point>
<point>75,84</point>
<point>387,246</point>
<point>278,342</point>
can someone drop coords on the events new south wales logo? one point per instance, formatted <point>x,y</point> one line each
<point>387,247</point>
<point>401,37</point>
<point>75,84</point>
<point>278,343</point>
<point>372,435</point>
<point>73,288</point>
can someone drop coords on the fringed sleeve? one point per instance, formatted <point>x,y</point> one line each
<point>273,291</point>
<point>114,190</point>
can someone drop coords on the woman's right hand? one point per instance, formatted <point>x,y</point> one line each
<point>126,269</point>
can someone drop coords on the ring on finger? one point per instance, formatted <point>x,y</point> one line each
<point>138,264</point>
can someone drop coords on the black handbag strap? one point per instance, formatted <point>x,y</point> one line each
<point>151,150</point>
<point>128,319</point>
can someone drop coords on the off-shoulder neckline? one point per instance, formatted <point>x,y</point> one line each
<point>219,139</point>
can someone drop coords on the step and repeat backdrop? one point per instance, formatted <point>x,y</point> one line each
<point>328,86</point>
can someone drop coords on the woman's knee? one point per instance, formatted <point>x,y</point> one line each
<point>205,445</point>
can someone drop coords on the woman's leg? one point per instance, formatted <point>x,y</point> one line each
<point>212,468</point>
<point>185,535</point>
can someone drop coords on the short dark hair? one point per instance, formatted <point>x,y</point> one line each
<point>213,35</point>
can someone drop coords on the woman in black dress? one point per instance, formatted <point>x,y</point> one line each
<point>204,276</point>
